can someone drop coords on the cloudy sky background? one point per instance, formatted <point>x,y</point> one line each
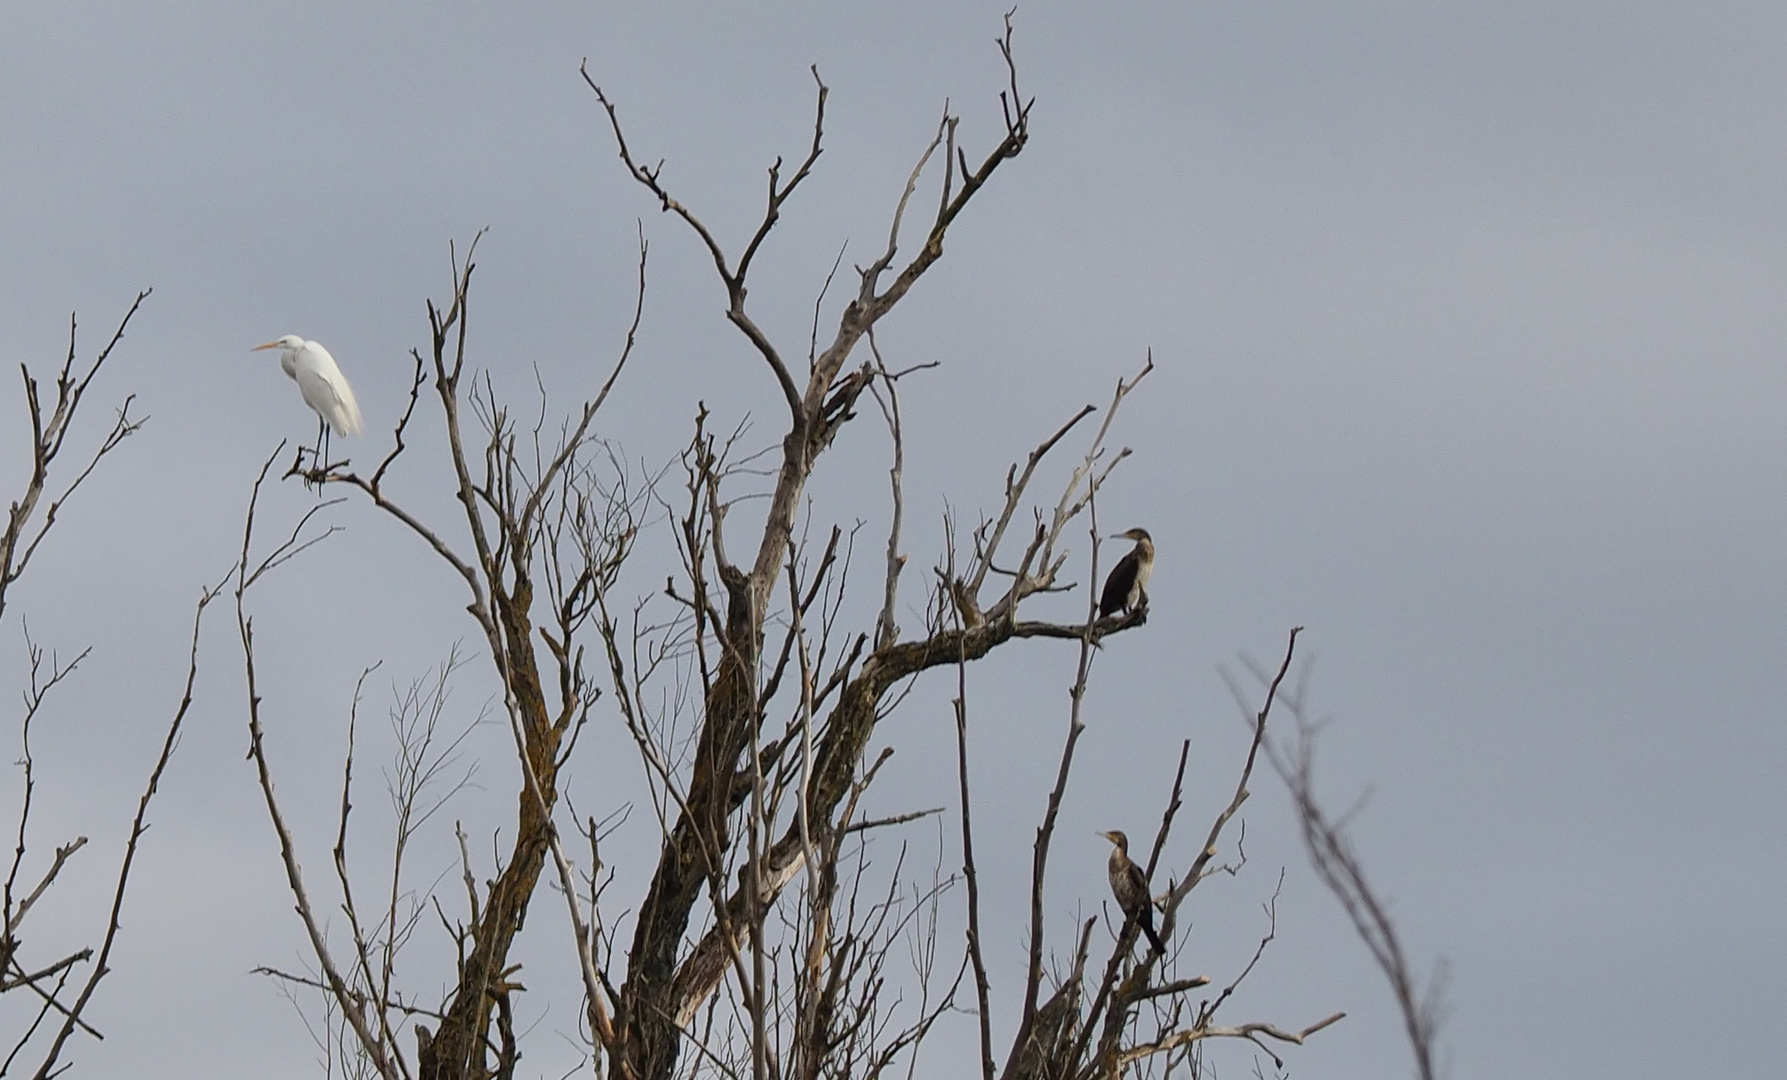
<point>1468,331</point>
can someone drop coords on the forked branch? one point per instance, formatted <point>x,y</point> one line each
<point>48,434</point>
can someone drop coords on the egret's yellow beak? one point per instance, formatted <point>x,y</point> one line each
<point>268,345</point>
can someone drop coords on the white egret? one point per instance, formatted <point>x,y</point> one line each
<point>324,387</point>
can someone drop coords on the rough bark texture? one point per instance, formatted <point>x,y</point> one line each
<point>458,1050</point>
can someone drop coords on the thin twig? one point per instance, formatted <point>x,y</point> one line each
<point>138,826</point>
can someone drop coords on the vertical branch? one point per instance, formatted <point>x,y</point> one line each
<point>601,1026</point>
<point>811,1037</point>
<point>759,908</point>
<point>362,958</point>
<point>507,507</point>
<point>886,632</point>
<point>382,1056</point>
<point>41,685</point>
<point>1045,833</point>
<point>969,874</point>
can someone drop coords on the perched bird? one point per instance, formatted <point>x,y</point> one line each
<point>324,387</point>
<point>1131,887</point>
<point>1126,589</point>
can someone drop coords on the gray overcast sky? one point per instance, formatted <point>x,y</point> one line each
<point>1468,322</point>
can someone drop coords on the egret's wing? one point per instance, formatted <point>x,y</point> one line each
<point>326,390</point>
<point>351,410</point>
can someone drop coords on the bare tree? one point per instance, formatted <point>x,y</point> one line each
<point>767,935</point>
<point>1336,862</point>
<point>59,989</point>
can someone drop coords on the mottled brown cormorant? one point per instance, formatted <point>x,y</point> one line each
<point>1130,886</point>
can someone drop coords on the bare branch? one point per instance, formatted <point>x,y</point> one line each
<point>886,631</point>
<point>969,874</point>
<point>658,986</point>
<point>382,1055</point>
<point>138,826</point>
<point>48,434</point>
<point>1196,873</point>
<point>1337,864</point>
<point>1243,1031</point>
<point>733,280</point>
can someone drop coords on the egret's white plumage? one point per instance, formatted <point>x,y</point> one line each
<point>324,387</point>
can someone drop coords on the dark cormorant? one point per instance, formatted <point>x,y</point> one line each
<point>1126,589</point>
<point>1131,887</point>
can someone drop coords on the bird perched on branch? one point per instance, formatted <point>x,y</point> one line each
<point>1125,589</point>
<point>324,387</point>
<point>1130,886</point>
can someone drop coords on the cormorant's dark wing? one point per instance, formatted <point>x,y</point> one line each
<point>1147,921</point>
<point>1117,586</point>
<point>1131,887</point>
